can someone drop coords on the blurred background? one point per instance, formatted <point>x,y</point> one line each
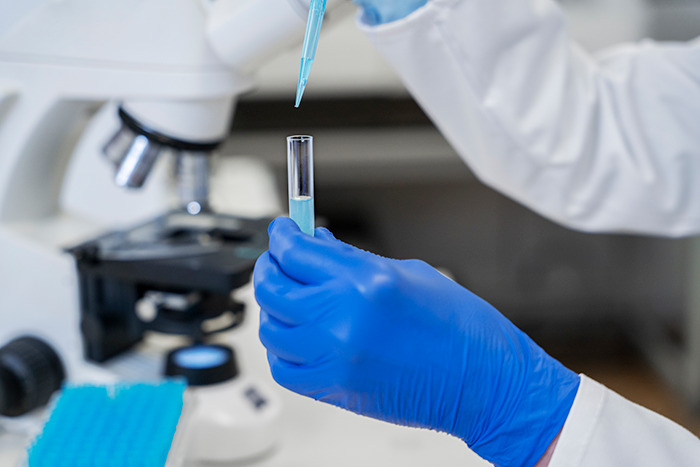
<point>622,309</point>
<point>120,302</point>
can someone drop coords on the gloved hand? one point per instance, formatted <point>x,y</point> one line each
<point>386,11</point>
<point>398,341</point>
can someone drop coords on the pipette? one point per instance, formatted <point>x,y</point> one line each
<point>317,8</point>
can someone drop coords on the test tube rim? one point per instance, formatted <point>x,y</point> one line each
<point>300,138</point>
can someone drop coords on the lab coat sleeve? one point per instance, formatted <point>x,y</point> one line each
<point>606,144</point>
<point>604,429</point>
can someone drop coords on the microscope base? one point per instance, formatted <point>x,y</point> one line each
<point>233,421</point>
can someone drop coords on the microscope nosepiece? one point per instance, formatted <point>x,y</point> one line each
<point>135,148</point>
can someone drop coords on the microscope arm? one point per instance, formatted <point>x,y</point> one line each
<point>60,63</point>
<point>181,82</point>
<point>244,35</point>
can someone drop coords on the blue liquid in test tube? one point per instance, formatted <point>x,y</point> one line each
<point>302,211</point>
<point>300,173</point>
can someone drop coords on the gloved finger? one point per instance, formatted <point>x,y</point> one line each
<point>295,307</point>
<point>296,344</point>
<point>284,298</point>
<point>385,11</point>
<point>283,372</point>
<point>271,285</point>
<point>302,379</point>
<point>307,259</point>
<point>267,271</point>
<point>324,233</point>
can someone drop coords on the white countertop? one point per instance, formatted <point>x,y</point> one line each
<point>314,434</point>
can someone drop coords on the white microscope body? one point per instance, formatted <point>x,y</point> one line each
<point>176,66</point>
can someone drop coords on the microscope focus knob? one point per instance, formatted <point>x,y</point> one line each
<point>30,372</point>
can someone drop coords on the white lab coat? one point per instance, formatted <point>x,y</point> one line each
<point>599,145</point>
<point>608,144</point>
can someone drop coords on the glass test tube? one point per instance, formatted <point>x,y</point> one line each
<point>300,173</point>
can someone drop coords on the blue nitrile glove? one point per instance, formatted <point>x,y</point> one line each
<point>385,11</point>
<point>398,341</point>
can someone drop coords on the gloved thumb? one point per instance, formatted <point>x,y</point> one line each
<point>306,259</point>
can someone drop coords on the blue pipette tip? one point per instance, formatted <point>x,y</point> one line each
<point>300,93</point>
<point>304,72</point>
<point>317,9</point>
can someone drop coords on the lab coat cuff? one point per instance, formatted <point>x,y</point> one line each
<point>580,425</point>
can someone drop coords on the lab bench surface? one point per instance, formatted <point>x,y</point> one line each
<point>314,434</point>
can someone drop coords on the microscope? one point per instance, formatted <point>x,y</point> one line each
<point>93,256</point>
